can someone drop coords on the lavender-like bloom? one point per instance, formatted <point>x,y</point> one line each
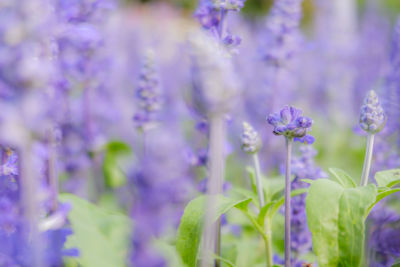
<point>283,36</point>
<point>372,118</point>
<point>158,194</point>
<point>212,14</point>
<point>391,90</point>
<point>148,95</point>
<point>384,246</point>
<point>290,123</point>
<point>251,141</point>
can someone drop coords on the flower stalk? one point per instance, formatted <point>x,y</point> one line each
<point>372,120</point>
<point>30,203</point>
<point>251,143</point>
<point>53,177</point>
<point>290,123</point>
<point>260,192</point>
<point>287,201</point>
<point>212,235</point>
<point>367,159</point>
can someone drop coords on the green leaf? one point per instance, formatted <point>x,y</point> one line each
<point>273,186</point>
<point>276,206</point>
<point>118,147</point>
<point>272,207</point>
<point>169,253</point>
<point>245,255</point>
<point>354,204</point>
<point>388,178</point>
<point>342,178</point>
<point>241,192</point>
<point>336,217</point>
<point>113,174</point>
<point>252,176</point>
<point>190,228</point>
<point>264,211</point>
<point>382,195</point>
<point>308,181</point>
<point>396,263</point>
<point>102,237</point>
<point>226,261</point>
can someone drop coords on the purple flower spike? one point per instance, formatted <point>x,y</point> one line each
<point>290,123</point>
<point>372,118</point>
<point>251,141</point>
<point>148,94</point>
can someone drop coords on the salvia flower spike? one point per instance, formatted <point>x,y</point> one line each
<point>148,94</point>
<point>372,117</point>
<point>372,120</point>
<point>290,123</point>
<point>251,141</point>
<point>251,144</point>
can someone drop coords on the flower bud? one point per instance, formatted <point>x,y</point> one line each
<point>251,141</point>
<point>372,117</point>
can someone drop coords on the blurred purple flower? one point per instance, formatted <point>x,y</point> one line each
<point>282,39</point>
<point>148,95</point>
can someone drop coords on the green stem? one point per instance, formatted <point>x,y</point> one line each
<point>260,190</point>
<point>368,159</point>
<point>265,234</point>
<point>268,242</point>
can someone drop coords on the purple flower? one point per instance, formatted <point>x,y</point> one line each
<point>283,35</point>
<point>290,123</point>
<point>251,141</point>
<point>384,245</point>
<point>210,13</point>
<point>161,186</point>
<point>372,117</point>
<point>148,95</point>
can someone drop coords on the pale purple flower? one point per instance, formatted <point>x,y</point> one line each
<point>372,117</point>
<point>282,37</point>
<point>148,94</point>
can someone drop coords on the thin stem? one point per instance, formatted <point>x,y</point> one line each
<point>211,235</point>
<point>260,190</point>
<point>221,25</point>
<point>266,235</point>
<point>53,177</point>
<point>287,201</point>
<point>268,242</point>
<point>368,159</point>
<point>29,198</point>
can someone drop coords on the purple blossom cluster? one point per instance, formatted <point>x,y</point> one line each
<point>290,123</point>
<point>148,94</point>
<point>282,38</point>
